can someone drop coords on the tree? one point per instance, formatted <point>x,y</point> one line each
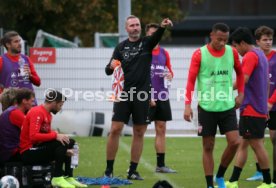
<point>70,18</point>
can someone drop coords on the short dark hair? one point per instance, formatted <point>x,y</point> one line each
<point>242,34</point>
<point>24,93</point>
<point>8,37</point>
<point>53,95</point>
<point>151,25</point>
<point>220,27</point>
<point>263,30</point>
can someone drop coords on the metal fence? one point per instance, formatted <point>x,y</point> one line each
<point>81,70</point>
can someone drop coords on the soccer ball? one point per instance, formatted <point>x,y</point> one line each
<point>9,182</point>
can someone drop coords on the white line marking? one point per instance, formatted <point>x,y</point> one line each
<point>150,167</point>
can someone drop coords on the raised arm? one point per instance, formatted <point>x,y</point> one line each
<point>156,36</point>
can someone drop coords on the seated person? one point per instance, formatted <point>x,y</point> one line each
<point>11,121</point>
<point>7,98</point>
<point>39,144</point>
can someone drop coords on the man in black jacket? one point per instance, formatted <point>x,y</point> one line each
<point>135,56</point>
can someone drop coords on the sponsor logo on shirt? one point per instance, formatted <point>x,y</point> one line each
<point>13,75</point>
<point>219,72</point>
<point>14,83</point>
<point>126,55</point>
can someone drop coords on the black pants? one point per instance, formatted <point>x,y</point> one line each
<point>48,152</point>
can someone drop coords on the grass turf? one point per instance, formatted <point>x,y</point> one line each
<point>183,155</point>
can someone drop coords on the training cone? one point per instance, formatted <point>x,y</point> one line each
<point>105,186</point>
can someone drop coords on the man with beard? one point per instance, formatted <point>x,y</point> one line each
<point>135,56</point>
<point>16,69</point>
<point>39,144</point>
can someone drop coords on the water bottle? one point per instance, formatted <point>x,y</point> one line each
<point>21,63</point>
<point>75,156</point>
<point>167,82</point>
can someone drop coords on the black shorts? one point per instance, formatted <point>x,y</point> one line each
<point>161,112</point>
<point>138,109</point>
<point>271,123</point>
<point>252,127</point>
<point>208,122</point>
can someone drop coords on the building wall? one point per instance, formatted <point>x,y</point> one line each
<point>82,71</point>
<point>228,7</point>
<point>201,15</point>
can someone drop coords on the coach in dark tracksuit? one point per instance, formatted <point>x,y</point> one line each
<point>135,56</point>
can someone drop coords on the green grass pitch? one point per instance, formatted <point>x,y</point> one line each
<point>183,154</point>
